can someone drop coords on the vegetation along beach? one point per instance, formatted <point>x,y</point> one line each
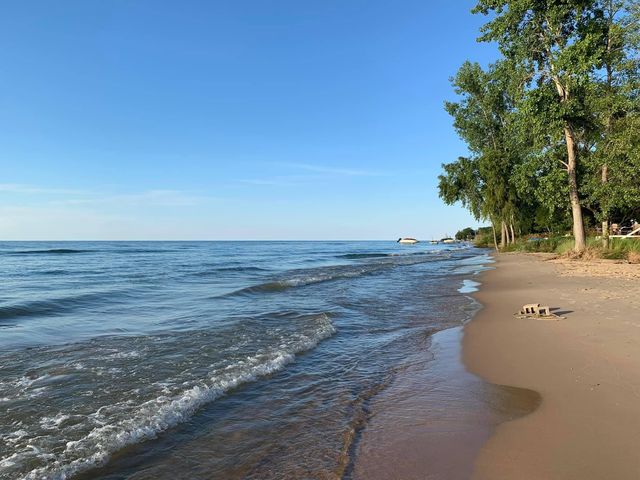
<point>552,130</point>
<point>320,240</point>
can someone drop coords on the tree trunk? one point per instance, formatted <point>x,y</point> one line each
<point>576,209</point>
<point>503,234</point>
<point>605,168</point>
<point>605,234</point>
<point>605,221</point>
<point>572,162</point>
<point>513,235</point>
<point>495,240</point>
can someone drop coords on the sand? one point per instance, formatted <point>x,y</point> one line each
<point>586,368</point>
<point>431,422</point>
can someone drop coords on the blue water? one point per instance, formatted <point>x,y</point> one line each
<point>250,359</point>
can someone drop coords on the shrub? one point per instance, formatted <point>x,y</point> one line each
<point>484,239</point>
<point>619,249</point>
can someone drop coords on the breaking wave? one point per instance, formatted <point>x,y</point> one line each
<point>119,425</point>
<point>308,278</point>
<point>301,278</point>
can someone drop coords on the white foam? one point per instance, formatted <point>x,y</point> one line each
<point>130,354</point>
<point>9,461</point>
<point>14,437</point>
<point>51,423</point>
<point>469,286</point>
<point>318,278</point>
<point>28,381</point>
<point>474,265</point>
<point>165,411</point>
<point>37,392</point>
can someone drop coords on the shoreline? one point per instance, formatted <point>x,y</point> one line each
<point>585,367</point>
<point>435,416</point>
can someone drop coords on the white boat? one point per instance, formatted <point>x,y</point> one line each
<point>408,241</point>
<point>448,240</point>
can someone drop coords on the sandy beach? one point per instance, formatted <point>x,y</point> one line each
<point>586,367</point>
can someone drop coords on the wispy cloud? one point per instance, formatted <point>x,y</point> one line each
<point>36,190</point>
<point>337,171</point>
<point>271,182</point>
<point>158,198</point>
<point>285,180</point>
<point>316,173</point>
<point>71,197</point>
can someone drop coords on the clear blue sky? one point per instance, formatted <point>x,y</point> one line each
<point>151,119</point>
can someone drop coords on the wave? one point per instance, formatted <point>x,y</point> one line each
<point>241,269</point>
<point>55,271</point>
<point>164,412</point>
<point>70,251</point>
<point>215,271</point>
<point>53,306</point>
<point>49,251</point>
<point>355,256</point>
<point>301,278</point>
<point>307,278</point>
<point>139,250</point>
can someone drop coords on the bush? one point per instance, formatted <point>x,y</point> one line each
<point>625,245</point>
<point>484,240</point>
<point>538,244</point>
<point>619,249</point>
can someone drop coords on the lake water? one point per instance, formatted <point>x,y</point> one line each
<point>257,360</point>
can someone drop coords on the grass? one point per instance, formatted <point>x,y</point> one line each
<point>540,244</point>
<point>628,249</point>
<point>619,249</point>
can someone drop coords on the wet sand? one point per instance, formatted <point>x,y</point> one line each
<point>586,368</point>
<point>431,422</point>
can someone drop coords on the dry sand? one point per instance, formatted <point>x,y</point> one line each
<point>586,367</point>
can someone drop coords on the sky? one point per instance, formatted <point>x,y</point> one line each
<point>250,120</point>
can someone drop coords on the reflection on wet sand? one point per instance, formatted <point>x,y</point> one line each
<point>431,422</point>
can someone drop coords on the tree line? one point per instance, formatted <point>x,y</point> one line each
<point>553,127</point>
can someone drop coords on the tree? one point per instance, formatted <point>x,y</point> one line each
<point>612,184</point>
<point>466,234</point>
<point>483,119</point>
<point>461,182</point>
<point>559,44</point>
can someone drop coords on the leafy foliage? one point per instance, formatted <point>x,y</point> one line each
<point>466,234</point>
<point>552,128</point>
